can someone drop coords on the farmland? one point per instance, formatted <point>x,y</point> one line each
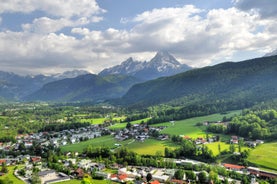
<point>150,146</point>
<point>188,127</point>
<point>264,155</point>
<point>107,141</point>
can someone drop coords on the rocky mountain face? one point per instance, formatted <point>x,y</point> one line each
<point>163,64</point>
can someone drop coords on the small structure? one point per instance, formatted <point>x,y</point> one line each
<point>51,176</point>
<point>234,167</point>
<point>234,140</point>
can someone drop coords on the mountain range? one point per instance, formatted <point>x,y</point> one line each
<point>79,85</point>
<point>15,87</point>
<point>247,82</point>
<point>132,83</point>
<point>163,64</point>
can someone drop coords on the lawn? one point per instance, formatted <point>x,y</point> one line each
<point>94,120</point>
<point>107,141</point>
<point>151,146</point>
<point>11,176</point>
<point>264,155</point>
<point>223,146</point>
<point>123,125</point>
<point>214,147</point>
<point>71,182</point>
<point>79,182</point>
<point>187,127</point>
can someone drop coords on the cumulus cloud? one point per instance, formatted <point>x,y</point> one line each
<point>195,36</point>
<point>59,8</point>
<point>266,8</point>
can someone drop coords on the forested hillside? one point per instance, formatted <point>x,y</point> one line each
<point>91,88</point>
<point>226,86</point>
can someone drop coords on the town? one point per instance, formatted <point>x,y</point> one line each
<point>79,166</point>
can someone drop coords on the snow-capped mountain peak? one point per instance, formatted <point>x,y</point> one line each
<point>162,64</point>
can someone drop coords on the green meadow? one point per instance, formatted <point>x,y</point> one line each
<point>151,147</point>
<point>188,127</point>
<point>123,125</point>
<point>10,176</point>
<point>264,155</point>
<point>148,147</point>
<point>107,141</point>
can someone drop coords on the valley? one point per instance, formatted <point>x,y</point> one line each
<point>100,134</point>
<point>202,125</point>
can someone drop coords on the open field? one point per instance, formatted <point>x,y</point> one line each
<point>94,120</point>
<point>264,155</point>
<point>107,141</point>
<point>79,182</point>
<point>71,182</point>
<point>151,147</point>
<point>223,146</point>
<point>123,125</point>
<point>11,176</point>
<point>214,147</point>
<point>187,127</point>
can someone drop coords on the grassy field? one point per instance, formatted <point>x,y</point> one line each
<point>11,176</point>
<point>214,147</point>
<point>93,120</point>
<point>187,127</point>
<point>79,182</point>
<point>123,125</point>
<point>151,146</point>
<point>264,155</point>
<point>107,141</point>
<point>223,146</point>
<point>71,182</point>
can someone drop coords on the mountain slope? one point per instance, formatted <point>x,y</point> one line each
<point>253,80</point>
<point>163,64</point>
<point>15,87</point>
<point>88,87</point>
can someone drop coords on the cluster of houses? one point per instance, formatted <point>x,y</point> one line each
<point>255,172</point>
<point>139,132</point>
<point>56,139</point>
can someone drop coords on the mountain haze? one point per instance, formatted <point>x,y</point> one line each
<point>15,87</point>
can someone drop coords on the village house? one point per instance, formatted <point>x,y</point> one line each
<point>234,167</point>
<point>51,176</point>
<point>234,140</point>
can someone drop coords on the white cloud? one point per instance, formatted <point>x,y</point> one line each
<point>59,8</point>
<point>199,37</point>
<point>45,25</point>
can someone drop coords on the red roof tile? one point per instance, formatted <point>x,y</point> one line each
<point>232,166</point>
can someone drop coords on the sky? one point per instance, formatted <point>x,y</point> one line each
<point>47,37</point>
